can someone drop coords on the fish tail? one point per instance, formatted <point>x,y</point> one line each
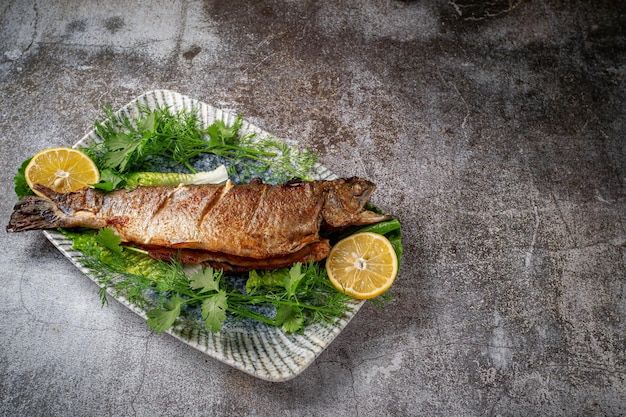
<point>34,213</point>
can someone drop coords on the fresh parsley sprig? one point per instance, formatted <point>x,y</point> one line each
<point>133,144</point>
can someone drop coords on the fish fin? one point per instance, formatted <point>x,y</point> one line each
<point>369,217</point>
<point>34,213</point>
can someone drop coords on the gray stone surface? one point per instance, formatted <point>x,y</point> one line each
<point>495,132</point>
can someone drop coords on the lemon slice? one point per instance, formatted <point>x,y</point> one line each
<point>61,169</point>
<point>363,265</point>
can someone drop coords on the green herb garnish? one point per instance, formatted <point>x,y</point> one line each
<point>301,296</point>
<point>134,144</point>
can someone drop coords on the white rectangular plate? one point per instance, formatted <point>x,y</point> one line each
<point>256,348</point>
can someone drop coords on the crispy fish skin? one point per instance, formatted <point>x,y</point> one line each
<point>252,221</point>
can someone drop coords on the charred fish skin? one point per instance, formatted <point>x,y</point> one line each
<point>250,224</point>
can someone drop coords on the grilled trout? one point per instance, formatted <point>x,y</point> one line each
<point>230,227</point>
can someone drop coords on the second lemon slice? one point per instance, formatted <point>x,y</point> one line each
<point>363,265</point>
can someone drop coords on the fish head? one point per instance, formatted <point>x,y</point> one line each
<point>353,193</point>
<point>345,202</point>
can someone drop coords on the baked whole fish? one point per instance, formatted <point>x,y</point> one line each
<point>230,227</point>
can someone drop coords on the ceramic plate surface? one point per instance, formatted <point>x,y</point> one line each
<point>253,347</point>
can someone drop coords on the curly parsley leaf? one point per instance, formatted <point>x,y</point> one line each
<point>107,238</point>
<point>220,134</point>
<point>214,310</point>
<point>160,320</point>
<point>205,280</point>
<point>292,279</point>
<point>119,148</point>
<point>290,318</point>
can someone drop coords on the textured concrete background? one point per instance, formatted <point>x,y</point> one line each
<point>496,132</point>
